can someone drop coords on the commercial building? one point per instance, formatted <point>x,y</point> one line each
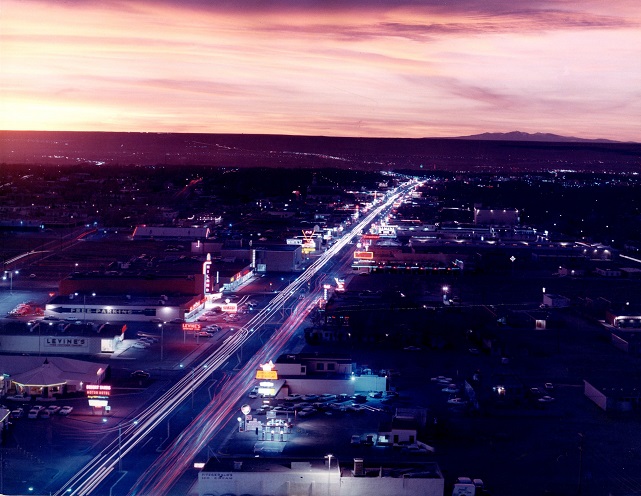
<point>496,216</point>
<point>318,477</point>
<point>48,377</point>
<point>177,233</point>
<point>80,308</point>
<point>613,395</point>
<point>320,374</point>
<point>62,338</point>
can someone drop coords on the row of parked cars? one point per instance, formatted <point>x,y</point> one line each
<point>144,341</point>
<point>309,404</point>
<point>41,411</point>
<point>209,331</point>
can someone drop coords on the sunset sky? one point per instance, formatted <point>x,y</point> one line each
<point>397,68</point>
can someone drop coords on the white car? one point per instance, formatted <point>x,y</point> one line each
<point>141,345</point>
<point>17,413</point>
<point>65,410</point>
<point>451,388</point>
<point>546,399</point>
<point>35,411</point>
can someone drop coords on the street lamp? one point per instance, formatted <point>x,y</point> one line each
<point>133,422</point>
<point>162,339</point>
<point>10,273</point>
<point>329,470</point>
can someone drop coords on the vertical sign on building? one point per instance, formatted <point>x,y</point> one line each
<point>206,267</point>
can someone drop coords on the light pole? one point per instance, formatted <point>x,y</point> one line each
<point>579,488</point>
<point>162,340</point>
<point>119,447</point>
<point>10,274</point>
<point>329,470</point>
<point>193,370</point>
<point>133,422</point>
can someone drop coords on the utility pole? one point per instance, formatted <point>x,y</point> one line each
<point>119,448</point>
<point>580,482</point>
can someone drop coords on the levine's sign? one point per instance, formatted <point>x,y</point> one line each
<point>66,342</point>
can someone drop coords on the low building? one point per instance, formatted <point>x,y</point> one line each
<point>613,395</point>
<point>401,430</point>
<point>625,318</point>
<point>178,233</point>
<point>496,216</point>
<point>321,374</point>
<point>555,301</point>
<point>62,338</point>
<point>607,271</point>
<point>318,477</point>
<point>124,308</point>
<point>48,377</point>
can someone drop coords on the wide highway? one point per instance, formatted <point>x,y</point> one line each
<point>172,463</point>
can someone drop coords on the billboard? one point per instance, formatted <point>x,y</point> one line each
<point>191,326</point>
<point>364,255</point>
<point>229,307</point>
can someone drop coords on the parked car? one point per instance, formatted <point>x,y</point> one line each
<point>141,345</point>
<point>17,413</point>
<point>306,412</point>
<point>327,397</point>
<point>18,397</point>
<point>140,374</point>
<point>65,410</point>
<point>451,388</point>
<point>53,409</point>
<point>35,411</point>
<point>204,334</point>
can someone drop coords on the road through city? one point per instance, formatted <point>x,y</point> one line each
<point>160,476</point>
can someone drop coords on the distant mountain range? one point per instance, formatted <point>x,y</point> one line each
<point>488,152</point>
<point>521,136</point>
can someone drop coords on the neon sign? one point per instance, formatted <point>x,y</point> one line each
<point>267,372</point>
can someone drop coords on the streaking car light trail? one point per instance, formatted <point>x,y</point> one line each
<point>159,481</point>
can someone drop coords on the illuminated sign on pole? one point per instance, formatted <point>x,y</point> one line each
<point>229,307</point>
<point>98,394</point>
<point>367,255</point>
<point>206,271</point>
<point>267,372</point>
<point>191,326</point>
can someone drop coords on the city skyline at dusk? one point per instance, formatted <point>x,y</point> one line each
<point>399,69</point>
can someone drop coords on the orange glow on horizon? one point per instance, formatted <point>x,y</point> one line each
<point>401,70</point>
